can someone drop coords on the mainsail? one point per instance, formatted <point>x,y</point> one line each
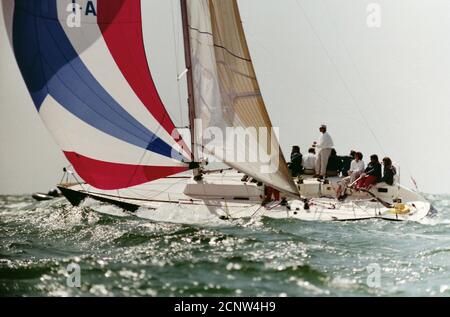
<point>227,94</point>
<point>85,66</point>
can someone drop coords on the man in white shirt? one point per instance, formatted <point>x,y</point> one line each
<point>309,162</point>
<point>325,146</point>
<point>357,167</point>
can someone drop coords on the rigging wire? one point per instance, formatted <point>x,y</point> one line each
<point>358,72</point>
<point>346,85</point>
<point>157,193</point>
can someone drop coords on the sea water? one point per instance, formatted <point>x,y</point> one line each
<point>54,249</point>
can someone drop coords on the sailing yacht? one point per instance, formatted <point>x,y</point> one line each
<point>86,68</point>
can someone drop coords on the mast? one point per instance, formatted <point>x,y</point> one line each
<point>190,82</point>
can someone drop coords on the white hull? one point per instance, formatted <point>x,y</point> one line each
<point>224,196</point>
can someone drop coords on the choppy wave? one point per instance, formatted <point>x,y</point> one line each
<point>121,255</point>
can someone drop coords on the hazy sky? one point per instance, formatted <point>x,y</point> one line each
<point>380,89</point>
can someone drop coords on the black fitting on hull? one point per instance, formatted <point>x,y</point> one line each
<point>76,198</point>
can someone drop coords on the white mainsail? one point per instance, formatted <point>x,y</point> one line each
<point>227,95</point>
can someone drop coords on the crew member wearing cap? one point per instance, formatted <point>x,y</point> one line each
<point>325,146</point>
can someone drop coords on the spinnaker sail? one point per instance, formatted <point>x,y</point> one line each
<point>85,66</point>
<point>227,95</point>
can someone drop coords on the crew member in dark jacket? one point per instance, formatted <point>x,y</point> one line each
<point>296,166</point>
<point>389,172</point>
<point>371,175</point>
<point>334,164</point>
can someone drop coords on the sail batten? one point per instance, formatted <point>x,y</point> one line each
<point>228,94</point>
